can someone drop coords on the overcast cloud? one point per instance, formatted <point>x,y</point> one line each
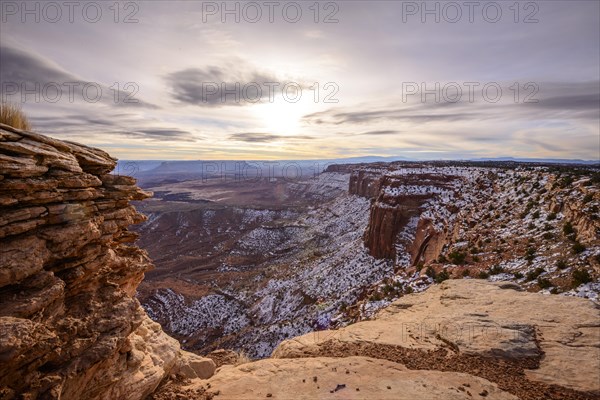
<point>170,80</point>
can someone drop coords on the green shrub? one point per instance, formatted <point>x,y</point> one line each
<point>566,181</point>
<point>518,275</point>
<point>457,257</point>
<point>376,296</point>
<point>579,277</point>
<point>568,228</point>
<point>495,270</point>
<point>483,275</point>
<point>561,264</point>
<point>442,276</point>
<point>578,248</point>
<point>530,254</point>
<point>387,289</point>
<point>430,272</point>
<point>523,214</point>
<point>548,235</point>
<point>531,275</point>
<point>543,283</point>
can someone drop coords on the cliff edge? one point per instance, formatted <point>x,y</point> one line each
<point>70,326</point>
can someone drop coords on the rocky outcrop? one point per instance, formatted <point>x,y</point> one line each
<point>70,326</point>
<point>531,345</point>
<point>585,222</point>
<point>399,198</point>
<point>428,242</point>
<point>365,183</point>
<point>385,221</point>
<point>463,339</point>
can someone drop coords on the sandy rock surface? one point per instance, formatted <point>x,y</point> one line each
<point>484,319</point>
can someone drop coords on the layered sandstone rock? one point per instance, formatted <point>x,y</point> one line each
<point>428,242</point>
<point>528,343</point>
<point>70,326</point>
<point>365,183</point>
<point>399,198</point>
<point>463,339</point>
<point>586,224</point>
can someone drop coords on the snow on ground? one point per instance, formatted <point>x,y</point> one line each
<point>323,266</point>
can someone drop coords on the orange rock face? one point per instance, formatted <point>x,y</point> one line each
<point>392,210</point>
<point>69,323</point>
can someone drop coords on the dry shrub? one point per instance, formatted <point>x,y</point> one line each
<point>242,358</point>
<point>11,114</point>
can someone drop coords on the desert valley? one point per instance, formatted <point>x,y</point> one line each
<point>247,263</point>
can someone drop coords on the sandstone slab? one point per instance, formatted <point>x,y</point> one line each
<point>192,366</point>
<point>345,378</point>
<point>482,319</point>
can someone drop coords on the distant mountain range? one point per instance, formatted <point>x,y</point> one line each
<point>540,160</point>
<point>135,167</point>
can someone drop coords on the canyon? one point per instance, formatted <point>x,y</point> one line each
<point>379,281</point>
<point>245,264</point>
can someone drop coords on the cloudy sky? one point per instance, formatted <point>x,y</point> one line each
<point>279,80</point>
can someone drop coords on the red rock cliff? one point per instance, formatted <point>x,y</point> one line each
<point>365,183</point>
<point>400,198</point>
<point>70,326</point>
<point>390,212</point>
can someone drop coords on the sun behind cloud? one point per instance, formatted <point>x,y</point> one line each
<point>281,116</point>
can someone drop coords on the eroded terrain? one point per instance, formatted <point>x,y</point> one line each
<point>245,264</point>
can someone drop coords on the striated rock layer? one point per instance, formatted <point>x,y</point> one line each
<point>70,326</point>
<point>392,209</point>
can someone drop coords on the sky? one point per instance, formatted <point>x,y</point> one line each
<point>307,80</point>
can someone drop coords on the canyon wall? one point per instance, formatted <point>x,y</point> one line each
<point>586,222</point>
<point>428,242</point>
<point>365,183</point>
<point>70,326</point>
<point>397,200</point>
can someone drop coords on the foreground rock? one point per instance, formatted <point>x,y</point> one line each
<point>528,343</point>
<point>70,326</point>
<point>345,378</point>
